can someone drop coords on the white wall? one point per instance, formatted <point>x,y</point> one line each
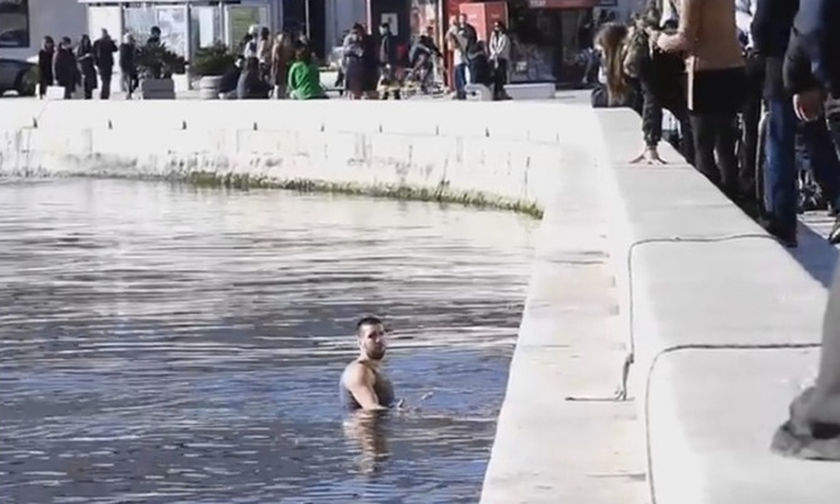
<point>56,18</point>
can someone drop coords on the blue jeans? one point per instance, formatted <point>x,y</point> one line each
<point>781,172</point>
<point>460,79</point>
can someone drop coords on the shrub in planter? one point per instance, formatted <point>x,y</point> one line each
<point>155,61</point>
<point>212,61</point>
<point>210,64</point>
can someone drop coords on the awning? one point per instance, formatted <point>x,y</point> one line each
<point>562,4</point>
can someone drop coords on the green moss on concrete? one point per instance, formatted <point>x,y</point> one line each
<point>441,194</point>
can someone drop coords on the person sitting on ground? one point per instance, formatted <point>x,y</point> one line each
<point>364,384</point>
<point>251,85</point>
<point>230,79</point>
<point>304,77</point>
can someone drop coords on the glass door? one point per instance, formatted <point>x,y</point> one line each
<point>241,17</point>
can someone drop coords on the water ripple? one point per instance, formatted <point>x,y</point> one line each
<point>161,343</point>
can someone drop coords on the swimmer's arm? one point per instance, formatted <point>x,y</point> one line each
<point>360,384</point>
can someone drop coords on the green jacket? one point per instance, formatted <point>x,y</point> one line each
<point>305,81</point>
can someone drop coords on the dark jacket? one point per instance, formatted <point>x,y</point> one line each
<point>388,50</point>
<point>813,58</point>
<point>661,82</point>
<point>103,54</point>
<point>128,54</point>
<point>230,80</point>
<point>771,27</point>
<point>64,68</point>
<point>45,65</point>
<point>468,33</point>
<point>86,66</point>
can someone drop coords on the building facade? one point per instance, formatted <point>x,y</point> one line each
<point>25,23</point>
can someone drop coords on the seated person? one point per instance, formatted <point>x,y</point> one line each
<point>304,77</point>
<point>251,85</point>
<point>227,89</point>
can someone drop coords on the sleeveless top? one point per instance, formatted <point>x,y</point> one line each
<point>381,387</point>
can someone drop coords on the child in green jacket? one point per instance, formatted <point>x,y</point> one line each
<point>304,78</point>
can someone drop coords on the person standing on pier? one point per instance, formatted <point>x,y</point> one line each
<point>45,66</point>
<point>103,54</point>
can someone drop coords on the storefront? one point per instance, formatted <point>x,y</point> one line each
<point>186,25</point>
<point>550,36</point>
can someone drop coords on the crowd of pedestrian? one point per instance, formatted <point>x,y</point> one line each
<point>715,65</point>
<point>88,64</point>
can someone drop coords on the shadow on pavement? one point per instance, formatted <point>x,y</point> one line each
<point>815,254</point>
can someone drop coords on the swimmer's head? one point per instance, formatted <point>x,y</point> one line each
<point>370,333</point>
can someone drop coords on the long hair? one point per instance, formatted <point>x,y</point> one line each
<point>610,39</point>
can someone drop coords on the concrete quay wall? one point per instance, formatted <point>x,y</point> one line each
<point>722,323</point>
<point>507,156</point>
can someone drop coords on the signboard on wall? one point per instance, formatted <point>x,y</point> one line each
<point>14,23</point>
<point>392,20</point>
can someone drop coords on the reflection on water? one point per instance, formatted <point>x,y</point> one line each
<point>369,430</point>
<point>160,343</point>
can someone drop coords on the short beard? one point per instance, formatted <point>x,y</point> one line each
<point>375,354</point>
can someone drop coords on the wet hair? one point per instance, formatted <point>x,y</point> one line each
<point>367,321</point>
<point>611,39</point>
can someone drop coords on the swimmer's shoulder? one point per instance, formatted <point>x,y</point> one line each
<point>356,372</point>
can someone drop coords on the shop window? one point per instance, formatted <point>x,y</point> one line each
<point>205,26</point>
<point>172,22</point>
<point>14,23</point>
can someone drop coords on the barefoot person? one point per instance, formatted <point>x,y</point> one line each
<point>363,384</point>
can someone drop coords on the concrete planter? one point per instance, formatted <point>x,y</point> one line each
<point>157,89</point>
<point>209,86</point>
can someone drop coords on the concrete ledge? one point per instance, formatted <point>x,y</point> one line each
<point>715,312</point>
<point>375,148</point>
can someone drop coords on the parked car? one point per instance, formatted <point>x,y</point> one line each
<point>17,75</point>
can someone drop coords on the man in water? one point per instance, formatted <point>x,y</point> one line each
<point>363,384</point>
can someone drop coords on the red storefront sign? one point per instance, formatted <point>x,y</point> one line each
<point>562,4</point>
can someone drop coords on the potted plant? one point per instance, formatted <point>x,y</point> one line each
<point>210,64</point>
<point>156,65</point>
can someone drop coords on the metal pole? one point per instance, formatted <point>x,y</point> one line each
<point>306,10</point>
